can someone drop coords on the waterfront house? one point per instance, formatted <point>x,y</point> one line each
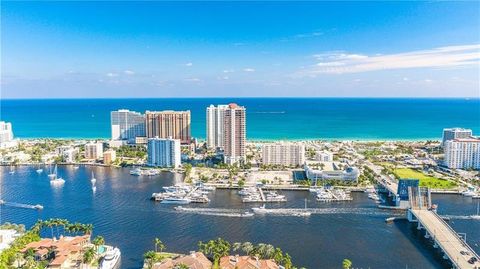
<point>196,260</point>
<point>247,262</point>
<point>62,253</point>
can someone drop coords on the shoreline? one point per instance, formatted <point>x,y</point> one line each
<point>261,140</point>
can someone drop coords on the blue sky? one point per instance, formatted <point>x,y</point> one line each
<point>202,49</point>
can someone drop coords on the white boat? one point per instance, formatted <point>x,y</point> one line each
<point>176,200</point>
<point>93,179</point>
<point>11,172</point>
<point>469,193</point>
<point>39,170</point>
<point>38,207</point>
<point>247,214</point>
<point>52,174</point>
<point>259,210</point>
<point>136,172</point>
<point>111,259</point>
<point>94,188</point>
<point>56,181</point>
<point>76,167</point>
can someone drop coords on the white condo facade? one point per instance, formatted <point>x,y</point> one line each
<point>164,152</point>
<point>454,133</point>
<point>462,153</point>
<point>94,150</point>
<point>324,156</point>
<point>6,135</point>
<point>127,125</point>
<point>287,154</point>
<point>216,126</point>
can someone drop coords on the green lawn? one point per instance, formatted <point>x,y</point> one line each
<point>425,180</point>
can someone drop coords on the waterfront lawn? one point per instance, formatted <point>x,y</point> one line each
<point>425,180</point>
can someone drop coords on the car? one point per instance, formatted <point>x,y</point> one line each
<point>463,252</point>
<point>472,260</point>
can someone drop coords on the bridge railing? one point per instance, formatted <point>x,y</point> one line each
<point>463,241</point>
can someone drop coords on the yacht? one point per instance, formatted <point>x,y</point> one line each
<point>136,172</point>
<point>38,207</point>
<point>11,172</point>
<point>39,170</point>
<point>470,192</point>
<point>93,180</point>
<point>94,188</point>
<point>176,200</point>
<point>111,259</point>
<point>247,214</point>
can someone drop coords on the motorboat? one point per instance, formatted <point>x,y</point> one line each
<point>38,207</point>
<point>94,188</point>
<point>111,259</point>
<point>259,210</point>
<point>247,214</point>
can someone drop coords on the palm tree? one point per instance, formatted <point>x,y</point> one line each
<point>346,264</point>
<point>287,261</point>
<point>247,247</point>
<point>98,241</point>
<point>88,255</point>
<point>278,255</point>
<point>150,258</point>
<point>269,251</point>
<point>236,246</point>
<point>159,244</point>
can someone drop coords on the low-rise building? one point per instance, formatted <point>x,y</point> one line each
<point>66,252</point>
<point>67,153</point>
<point>347,174</point>
<point>324,156</point>
<point>93,150</point>
<point>287,154</point>
<point>109,156</point>
<point>247,262</point>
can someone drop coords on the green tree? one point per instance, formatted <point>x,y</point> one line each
<point>346,264</point>
<point>159,245</point>
<point>88,255</point>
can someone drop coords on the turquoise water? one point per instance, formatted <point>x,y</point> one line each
<point>267,118</point>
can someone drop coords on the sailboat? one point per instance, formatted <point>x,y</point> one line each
<point>476,217</point>
<point>52,175</point>
<point>93,180</point>
<point>39,170</point>
<point>11,172</point>
<point>56,181</point>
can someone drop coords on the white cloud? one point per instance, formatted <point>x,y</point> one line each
<point>188,64</point>
<point>228,71</point>
<point>129,72</point>
<point>249,70</point>
<point>112,75</point>
<point>193,80</point>
<point>342,62</point>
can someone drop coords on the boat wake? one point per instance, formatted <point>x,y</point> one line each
<point>461,217</point>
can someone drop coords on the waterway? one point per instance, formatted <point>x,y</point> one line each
<point>122,212</point>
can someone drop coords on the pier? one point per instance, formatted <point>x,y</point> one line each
<point>454,246</point>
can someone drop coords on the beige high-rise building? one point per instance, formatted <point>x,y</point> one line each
<point>234,133</point>
<point>288,154</point>
<point>168,123</point>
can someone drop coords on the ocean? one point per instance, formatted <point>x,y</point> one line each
<point>122,212</point>
<point>267,118</point>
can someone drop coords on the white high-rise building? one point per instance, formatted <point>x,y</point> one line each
<point>454,133</point>
<point>216,126</point>
<point>164,152</point>
<point>287,154</point>
<point>6,135</point>
<point>235,134</point>
<point>127,125</point>
<point>462,153</point>
<point>93,150</point>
